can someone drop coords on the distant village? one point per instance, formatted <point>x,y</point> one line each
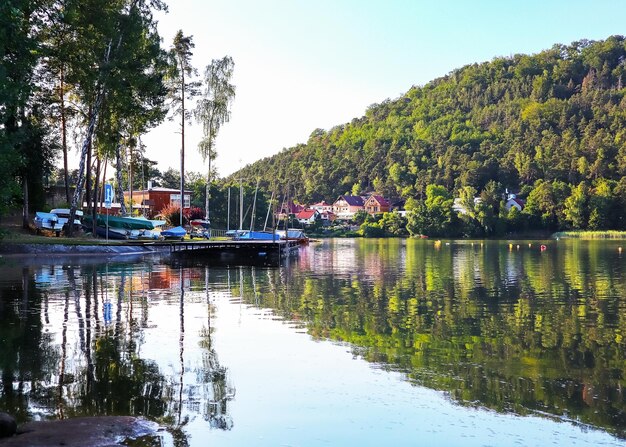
<point>154,199</point>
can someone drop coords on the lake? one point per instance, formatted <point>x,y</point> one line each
<point>357,342</point>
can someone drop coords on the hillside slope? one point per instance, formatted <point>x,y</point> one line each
<point>556,115</point>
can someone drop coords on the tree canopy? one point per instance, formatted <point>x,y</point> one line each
<point>546,122</point>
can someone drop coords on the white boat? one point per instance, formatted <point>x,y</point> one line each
<point>64,215</point>
<point>48,221</point>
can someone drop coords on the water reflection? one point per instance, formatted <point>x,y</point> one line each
<point>510,328</point>
<point>71,342</point>
<point>491,324</point>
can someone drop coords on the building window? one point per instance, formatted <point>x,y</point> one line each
<point>175,200</point>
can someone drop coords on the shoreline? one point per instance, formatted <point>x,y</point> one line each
<point>30,249</point>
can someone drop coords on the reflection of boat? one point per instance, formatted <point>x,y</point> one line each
<point>48,221</point>
<point>174,233</point>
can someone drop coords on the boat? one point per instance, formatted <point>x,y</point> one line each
<point>294,233</point>
<point>200,228</point>
<point>258,236</point>
<point>174,233</point>
<point>64,215</point>
<point>112,233</point>
<point>125,223</point>
<point>48,221</point>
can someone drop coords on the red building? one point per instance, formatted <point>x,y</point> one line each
<point>157,198</point>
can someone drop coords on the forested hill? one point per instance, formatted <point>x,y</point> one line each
<point>559,115</point>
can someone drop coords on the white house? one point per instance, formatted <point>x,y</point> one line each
<point>514,202</point>
<point>308,216</point>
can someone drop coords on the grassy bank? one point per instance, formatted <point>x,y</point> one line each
<point>609,234</point>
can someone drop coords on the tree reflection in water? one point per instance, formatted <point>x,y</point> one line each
<point>88,361</point>
<point>513,330</point>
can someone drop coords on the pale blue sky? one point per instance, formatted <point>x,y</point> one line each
<point>302,65</point>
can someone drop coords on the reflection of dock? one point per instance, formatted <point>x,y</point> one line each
<point>234,252</point>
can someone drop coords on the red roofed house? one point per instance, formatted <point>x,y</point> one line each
<point>157,198</point>
<point>307,216</point>
<point>345,207</point>
<point>377,204</point>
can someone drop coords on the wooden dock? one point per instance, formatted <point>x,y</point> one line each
<point>235,252</point>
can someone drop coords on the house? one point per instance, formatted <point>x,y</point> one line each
<point>514,202</point>
<point>377,204</point>
<point>460,208</point>
<point>327,217</point>
<point>345,207</point>
<point>308,216</point>
<point>157,198</point>
<point>322,206</point>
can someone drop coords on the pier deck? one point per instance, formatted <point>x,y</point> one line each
<point>231,252</point>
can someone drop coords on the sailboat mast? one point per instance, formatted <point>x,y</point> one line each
<point>254,206</point>
<point>228,212</point>
<point>240,205</point>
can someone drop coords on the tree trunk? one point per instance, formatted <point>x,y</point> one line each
<point>66,177</point>
<point>182,145</point>
<point>25,211</point>
<point>130,179</point>
<point>88,175</point>
<point>78,192</point>
<point>94,208</point>
<point>118,176</point>
<point>207,216</point>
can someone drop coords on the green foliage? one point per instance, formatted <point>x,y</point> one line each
<point>360,217</point>
<point>549,120</point>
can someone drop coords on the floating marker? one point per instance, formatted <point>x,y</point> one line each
<point>518,246</point>
<point>543,248</point>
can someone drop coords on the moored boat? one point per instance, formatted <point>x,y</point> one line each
<point>174,233</point>
<point>48,221</point>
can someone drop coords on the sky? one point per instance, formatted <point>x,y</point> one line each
<point>302,65</point>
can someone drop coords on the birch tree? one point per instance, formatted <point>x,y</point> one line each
<point>213,110</point>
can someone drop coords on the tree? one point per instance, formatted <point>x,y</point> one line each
<point>576,207</point>
<point>213,110</point>
<point>23,132</point>
<point>126,73</point>
<point>434,216</point>
<point>182,88</point>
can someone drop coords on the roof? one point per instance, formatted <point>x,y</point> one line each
<point>322,203</point>
<point>353,200</point>
<point>520,202</point>
<point>306,214</point>
<point>157,189</point>
<point>380,199</point>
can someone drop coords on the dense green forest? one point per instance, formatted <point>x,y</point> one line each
<point>550,127</point>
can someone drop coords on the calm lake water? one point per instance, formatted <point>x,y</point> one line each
<point>355,343</point>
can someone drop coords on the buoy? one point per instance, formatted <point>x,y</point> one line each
<point>619,249</point>
<point>510,246</point>
<point>543,247</point>
<point>518,246</point>
<point>530,245</point>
